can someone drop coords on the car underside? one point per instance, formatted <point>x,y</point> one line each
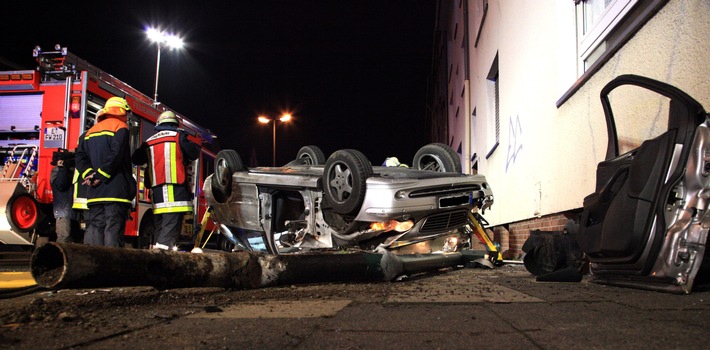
<point>305,205</point>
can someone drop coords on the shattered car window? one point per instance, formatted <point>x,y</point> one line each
<point>639,114</point>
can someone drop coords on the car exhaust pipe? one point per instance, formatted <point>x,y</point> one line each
<point>66,265</point>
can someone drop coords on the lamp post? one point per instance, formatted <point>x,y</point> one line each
<point>160,38</point>
<point>266,120</point>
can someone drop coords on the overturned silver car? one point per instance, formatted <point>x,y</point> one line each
<point>345,202</point>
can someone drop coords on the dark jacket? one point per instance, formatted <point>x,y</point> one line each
<point>104,152</point>
<point>62,192</point>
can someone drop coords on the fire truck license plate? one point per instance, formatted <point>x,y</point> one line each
<point>53,137</point>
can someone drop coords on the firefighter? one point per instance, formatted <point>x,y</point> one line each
<point>61,191</point>
<point>167,153</point>
<point>80,193</point>
<point>103,160</point>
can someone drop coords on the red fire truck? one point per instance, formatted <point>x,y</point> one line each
<point>45,110</point>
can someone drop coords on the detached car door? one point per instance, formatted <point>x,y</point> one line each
<point>646,223</point>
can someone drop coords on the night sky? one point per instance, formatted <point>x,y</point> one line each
<point>353,73</point>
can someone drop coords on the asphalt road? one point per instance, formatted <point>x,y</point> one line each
<point>501,308</point>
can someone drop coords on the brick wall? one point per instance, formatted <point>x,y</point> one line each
<point>512,236</point>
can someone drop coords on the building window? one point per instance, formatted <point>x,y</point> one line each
<point>480,9</point>
<point>493,106</point>
<point>497,106</point>
<point>596,20</point>
<point>604,27</point>
<point>474,164</point>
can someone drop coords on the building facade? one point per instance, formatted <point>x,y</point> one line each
<point>515,91</point>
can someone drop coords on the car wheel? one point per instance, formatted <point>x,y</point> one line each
<point>22,213</point>
<point>437,157</point>
<point>225,164</point>
<point>311,155</point>
<point>344,177</point>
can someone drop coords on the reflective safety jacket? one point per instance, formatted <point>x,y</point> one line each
<point>104,151</point>
<point>166,161</point>
<point>80,193</point>
<point>167,154</point>
<point>170,198</point>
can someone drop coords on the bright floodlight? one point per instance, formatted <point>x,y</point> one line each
<point>159,38</point>
<point>264,120</point>
<point>173,41</point>
<point>154,35</point>
<point>285,118</point>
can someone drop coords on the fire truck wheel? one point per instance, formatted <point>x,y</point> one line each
<point>225,164</point>
<point>146,232</point>
<point>438,157</point>
<point>22,213</point>
<point>344,177</point>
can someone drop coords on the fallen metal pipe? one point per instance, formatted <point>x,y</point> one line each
<point>59,265</point>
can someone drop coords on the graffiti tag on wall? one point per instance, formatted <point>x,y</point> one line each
<point>515,141</point>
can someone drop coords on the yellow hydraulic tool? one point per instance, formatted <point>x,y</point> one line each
<point>198,239</point>
<point>493,249</point>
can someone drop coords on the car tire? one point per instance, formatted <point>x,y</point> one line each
<point>226,163</point>
<point>310,155</point>
<point>344,178</point>
<point>22,213</point>
<point>437,157</point>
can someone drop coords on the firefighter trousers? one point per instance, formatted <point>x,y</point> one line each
<point>106,224</point>
<point>168,227</point>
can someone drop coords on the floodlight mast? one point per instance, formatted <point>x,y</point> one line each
<point>160,38</point>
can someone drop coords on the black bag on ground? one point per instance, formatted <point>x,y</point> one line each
<point>553,256</point>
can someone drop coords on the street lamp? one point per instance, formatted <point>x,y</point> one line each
<point>160,38</point>
<point>266,120</point>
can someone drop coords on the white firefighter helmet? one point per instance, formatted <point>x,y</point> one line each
<point>168,117</point>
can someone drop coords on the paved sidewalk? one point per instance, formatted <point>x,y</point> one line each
<point>469,309</point>
<point>503,308</point>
